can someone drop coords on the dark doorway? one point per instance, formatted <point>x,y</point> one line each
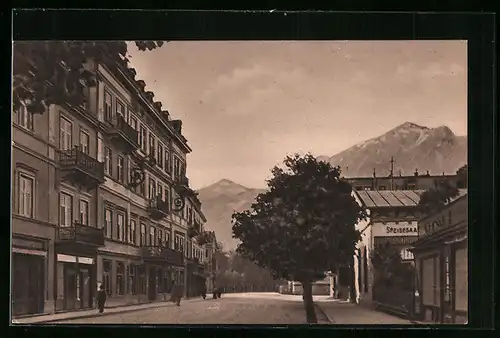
<point>85,287</point>
<point>70,287</point>
<point>27,284</point>
<point>152,284</point>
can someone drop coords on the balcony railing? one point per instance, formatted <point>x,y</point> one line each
<point>158,208</point>
<point>83,234</point>
<point>76,160</point>
<point>123,132</point>
<point>162,254</point>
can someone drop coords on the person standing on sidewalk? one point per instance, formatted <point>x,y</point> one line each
<point>101,299</point>
<point>204,290</point>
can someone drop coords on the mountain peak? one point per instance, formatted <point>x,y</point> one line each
<point>411,125</point>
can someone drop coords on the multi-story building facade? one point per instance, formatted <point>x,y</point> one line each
<point>100,196</point>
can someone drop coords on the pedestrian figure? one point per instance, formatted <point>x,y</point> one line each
<point>204,291</point>
<point>101,299</point>
<point>176,294</point>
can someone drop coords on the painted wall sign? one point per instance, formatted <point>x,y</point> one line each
<point>449,216</point>
<point>390,230</point>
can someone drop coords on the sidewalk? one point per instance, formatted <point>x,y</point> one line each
<point>344,313</point>
<point>48,318</point>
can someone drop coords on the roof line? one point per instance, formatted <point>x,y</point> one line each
<point>388,203</point>
<point>396,197</point>
<point>403,191</point>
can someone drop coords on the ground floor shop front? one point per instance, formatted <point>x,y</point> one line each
<point>443,280</point>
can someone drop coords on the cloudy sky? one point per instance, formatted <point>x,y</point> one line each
<point>246,105</point>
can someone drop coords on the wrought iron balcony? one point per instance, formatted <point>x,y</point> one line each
<point>122,134</point>
<point>162,254</point>
<point>79,234</point>
<point>158,208</point>
<point>81,168</point>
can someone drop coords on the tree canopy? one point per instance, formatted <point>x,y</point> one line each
<point>302,225</point>
<point>54,72</point>
<point>436,197</point>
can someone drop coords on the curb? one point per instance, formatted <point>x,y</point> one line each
<point>323,314</point>
<point>97,314</point>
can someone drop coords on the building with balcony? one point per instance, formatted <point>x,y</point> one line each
<point>100,196</point>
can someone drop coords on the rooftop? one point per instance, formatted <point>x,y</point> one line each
<point>389,198</point>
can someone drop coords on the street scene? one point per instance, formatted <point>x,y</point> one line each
<point>267,182</point>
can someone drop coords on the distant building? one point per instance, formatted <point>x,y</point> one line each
<point>417,181</point>
<point>442,264</point>
<point>392,219</point>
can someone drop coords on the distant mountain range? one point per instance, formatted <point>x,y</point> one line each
<point>219,201</point>
<point>413,147</point>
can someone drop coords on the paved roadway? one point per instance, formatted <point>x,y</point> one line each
<point>250,308</point>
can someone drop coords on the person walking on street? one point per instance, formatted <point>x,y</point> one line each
<point>204,291</point>
<point>176,293</point>
<point>101,299</point>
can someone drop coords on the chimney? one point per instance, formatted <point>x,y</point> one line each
<point>166,114</point>
<point>158,105</point>
<point>177,124</point>
<point>427,174</point>
<point>374,173</point>
<point>400,173</point>
<point>141,84</point>
<point>150,95</point>
<point>416,172</point>
<point>132,72</point>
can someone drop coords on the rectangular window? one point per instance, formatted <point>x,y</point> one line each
<point>152,236</point>
<point>167,195</point>
<point>152,188</point>
<point>142,138</point>
<point>152,150</point>
<point>24,118</point>
<point>66,210</point>
<point>132,232</point>
<point>108,222</point>
<point>132,121</point>
<point>84,142</point>
<point>142,280</point>
<point>159,190</point>
<point>167,239</point>
<point>120,227</point>
<point>26,196</point>
<point>65,134</point>
<point>120,168</point>
<point>142,188</point>
<point>84,212</point>
<point>120,280</point>
<point>159,156</point>
<point>143,234</point>
<point>166,164</point>
<point>106,275</point>
<point>160,237</point>
<point>108,156</point>
<point>108,109</point>
<point>120,109</point>
<point>132,275</point>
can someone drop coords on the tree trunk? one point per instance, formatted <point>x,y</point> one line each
<point>308,302</point>
<point>352,282</point>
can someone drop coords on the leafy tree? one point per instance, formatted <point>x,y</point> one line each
<point>436,197</point>
<point>55,72</point>
<point>303,225</point>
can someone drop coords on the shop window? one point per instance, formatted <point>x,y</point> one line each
<point>106,275</point>
<point>166,281</point>
<point>142,280</point>
<point>132,279</point>
<point>120,280</point>
<point>461,280</point>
